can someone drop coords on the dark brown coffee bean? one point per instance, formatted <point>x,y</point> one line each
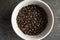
<point>24,29</point>
<point>32,29</point>
<point>35,18</point>
<point>26,26</point>
<point>22,25</point>
<point>34,21</point>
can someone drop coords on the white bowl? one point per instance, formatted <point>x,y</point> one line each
<point>42,34</point>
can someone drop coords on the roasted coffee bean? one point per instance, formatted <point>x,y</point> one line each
<point>32,19</point>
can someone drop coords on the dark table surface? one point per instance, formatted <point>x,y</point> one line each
<point>6,31</point>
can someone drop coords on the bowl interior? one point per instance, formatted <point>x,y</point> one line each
<point>49,14</point>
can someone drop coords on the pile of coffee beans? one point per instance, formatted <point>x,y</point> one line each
<point>32,19</point>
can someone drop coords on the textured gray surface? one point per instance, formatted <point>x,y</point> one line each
<point>6,31</point>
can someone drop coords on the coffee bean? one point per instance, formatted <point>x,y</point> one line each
<point>32,29</point>
<point>30,24</point>
<point>31,16</point>
<point>35,18</point>
<point>26,16</point>
<point>28,21</point>
<point>24,29</point>
<point>26,26</point>
<point>22,25</point>
<point>29,13</point>
<point>34,21</point>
